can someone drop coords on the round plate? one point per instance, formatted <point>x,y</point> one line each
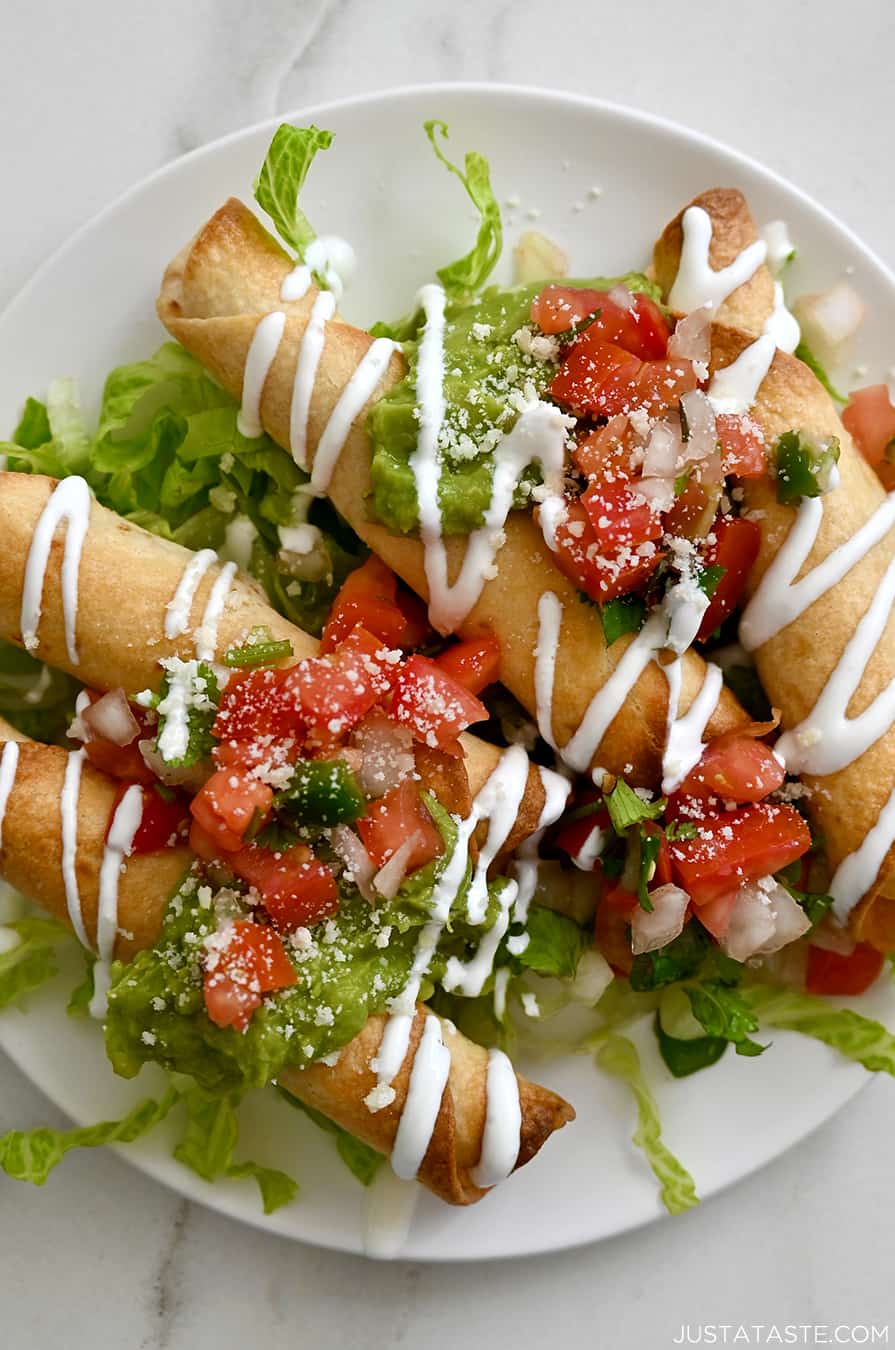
<point>602,181</point>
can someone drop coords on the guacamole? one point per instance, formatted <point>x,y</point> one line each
<point>489,370</point>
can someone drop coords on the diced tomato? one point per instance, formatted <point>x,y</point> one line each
<point>161,823</point>
<point>228,804</point>
<point>743,451</point>
<point>693,512</point>
<point>434,705</point>
<point>475,663</point>
<point>295,887</point>
<point>203,844</point>
<point>621,899</point>
<point>602,576</point>
<point>337,691</point>
<point>715,916</point>
<point>737,541</point>
<point>663,874</point>
<point>600,379</point>
<point>869,418</point>
<point>249,754</point>
<point>735,846</point>
<point>735,768</point>
<point>606,451</point>
<point>612,936</point>
<point>251,962</point>
<point>832,973</point>
<point>619,516</point>
<point>260,703</point>
<point>392,820</point>
<point>640,328</point>
<point>574,834</point>
<point>369,596</point>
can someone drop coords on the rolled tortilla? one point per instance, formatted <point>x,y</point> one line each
<point>126,579</point>
<point>212,298</point>
<point>795,665</point>
<point>31,861</point>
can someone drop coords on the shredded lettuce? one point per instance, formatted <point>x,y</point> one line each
<point>285,168</point>
<point>618,1056</point>
<point>804,353</point>
<point>468,274</point>
<point>31,1155</point>
<point>168,456</point>
<point>37,699</point>
<point>32,961</point>
<point>862,1039</point>
<point>362,1161</point>
<point>555,943</point>
<point>209,1142</point>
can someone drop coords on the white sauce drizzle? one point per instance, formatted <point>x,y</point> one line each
<point>779,598</point>
<point>537,437</point>
<point>296,283</point>
<point>586,857</point>
<point>696,283</point>
<point>734,389</point>
<point>261,355</point>
<point>207,633</point>
<point>684,744</point>
<point>356,394</point>
<point>828,739</point>
<point>498,802</point>
<point>549,623</point>
<point>179,607</point>
<point>68,810</point>
<point>781,325</point>
<point>119,843</point>
<point>856,873</point>
<point>428,1077</point>
<point>333,259</point>
<point>9,763</point>
<point>69,501</point>
<point>322,310</point>
<point>503,1123</point>
<point>388,1214</point>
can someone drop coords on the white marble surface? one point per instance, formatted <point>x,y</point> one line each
<point>95,96</point>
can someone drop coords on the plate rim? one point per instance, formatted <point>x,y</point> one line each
<point>219,1199</point>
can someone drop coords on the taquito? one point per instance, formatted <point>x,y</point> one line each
<point>795,664</point>
<point>126,578</point>
<point>31,861</point>
<point>214,295</point>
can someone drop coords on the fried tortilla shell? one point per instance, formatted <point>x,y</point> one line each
<point>31,861</point>
<point>214,294</point>
<point>796,664</point>
<point>126,579</point>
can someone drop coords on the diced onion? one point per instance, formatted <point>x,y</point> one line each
<point>763,919</point>
<point>621,296</point>
<point>592,978</point>
<point>110,719</point>
<point>829,319</point>
<point>537,258</point>
<point>664,450</point>
<point>174,775</point>
<point>355,857</point>
<point>389,877</point>
<point>650,930</point>
<point>832,938</point>
<point>691,339</point>
<point>702,439</point>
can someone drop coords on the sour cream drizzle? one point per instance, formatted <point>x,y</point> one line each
<point>261,356</point>
<point>735,388</point>
<point>9,763</point>
<point>119,843</point>
<point>683,743</point>
<point>428,1077</point>
<point>697,283</point>
<point>179,607</point>
<point>356,394</point>
<point>779,598</point>
<point>322,310</point>
<point>537,437</point>
<point>296,283</point>
<point>857,872</point>
<point>207,632</point>
<point>68,810</point>
<point>503,1123</point>
<point>70,501</point>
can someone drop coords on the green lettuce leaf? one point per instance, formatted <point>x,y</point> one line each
<point>804,353</point>
<point>209,1142</point>
<point>468,274</point>
<point>31,1155</point>
<point>555,943</point>
<point>683,1057</point>
<point>33,960</point>
<point>37,699</point>
<point>618,1056</point>
<point>362,1161</point>
<point>860,1038</point>
<point>723,1013</point>
<point>677,960</point>
<point>285,168</point>
<point>627,808</point>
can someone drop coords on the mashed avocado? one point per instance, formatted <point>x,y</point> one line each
<point>489,369</point>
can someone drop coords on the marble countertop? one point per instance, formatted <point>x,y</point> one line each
<point>93,98</point>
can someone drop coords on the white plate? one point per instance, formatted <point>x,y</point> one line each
<point>602,180</point>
